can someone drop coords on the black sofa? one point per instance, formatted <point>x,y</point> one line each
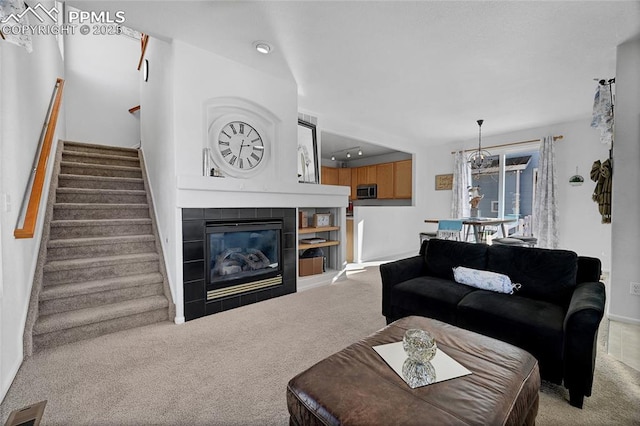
<point>554,315</point>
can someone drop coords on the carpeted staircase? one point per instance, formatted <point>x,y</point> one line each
<point>102,268</point>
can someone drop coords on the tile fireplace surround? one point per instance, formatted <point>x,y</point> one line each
<point>194,222</point>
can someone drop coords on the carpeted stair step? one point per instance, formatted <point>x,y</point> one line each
<point>99,182</point>
<point>116,196</point>
<point>62,229</point>
<point>100,149</point>
<point>83,211</point>
<point>67,327</point>
<point>89,269</point>
<point>86,294</point>
<point>102,270</point>
<point>105,159</point>
<point>70,168</point>
<point>78,248</point>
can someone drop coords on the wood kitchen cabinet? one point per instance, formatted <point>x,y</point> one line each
<point>393,179</point>
<point>372,176</point>
<point>329,175</point>
<point>384,179</point>
<point>402,178</point>
<point>354,183</point>
<point>366,175</point>
<point>344,176</point>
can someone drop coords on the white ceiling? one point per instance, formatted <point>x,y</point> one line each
<point>423,71</point>
<point>339,145</point>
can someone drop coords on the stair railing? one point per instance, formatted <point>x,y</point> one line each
<point>143,49</point>
<point>39,169</point>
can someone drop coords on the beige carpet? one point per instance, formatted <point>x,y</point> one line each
<point>232,368</point>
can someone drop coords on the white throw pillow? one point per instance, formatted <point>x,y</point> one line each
<point>485,280</point>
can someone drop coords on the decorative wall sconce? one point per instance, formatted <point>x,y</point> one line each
<point>577,179</point>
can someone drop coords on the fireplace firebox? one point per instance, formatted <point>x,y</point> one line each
<point>258,253</point>
<point>242,256</point>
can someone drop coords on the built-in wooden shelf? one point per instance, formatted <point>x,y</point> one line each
<point>321,229</point>
<point>303,246</point>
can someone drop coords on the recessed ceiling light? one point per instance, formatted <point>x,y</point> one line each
<point>262,47</point>
<point>348,155</point>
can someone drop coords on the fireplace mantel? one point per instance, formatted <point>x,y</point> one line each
<point>202,191</point>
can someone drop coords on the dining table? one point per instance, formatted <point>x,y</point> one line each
<point>478,225</point>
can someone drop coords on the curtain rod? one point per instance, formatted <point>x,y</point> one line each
<point>555,138</point>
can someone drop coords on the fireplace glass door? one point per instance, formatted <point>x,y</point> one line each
<point>242,252</point>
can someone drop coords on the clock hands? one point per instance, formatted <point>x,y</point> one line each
<point>238,136</point>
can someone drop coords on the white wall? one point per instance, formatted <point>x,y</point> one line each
<point>26,83</point>
<point>182,80</point>
<point>201,76</point>
<point>626,186</point>
<point>389,231</point>
<point>580,228</point>
<point>159,148</point>
<point>384,232</point>
<point>103,83</point>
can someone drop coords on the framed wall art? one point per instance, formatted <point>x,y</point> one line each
<point>307,153</point>
<point>444,182</point>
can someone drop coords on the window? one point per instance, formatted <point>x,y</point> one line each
<point>518,181</point>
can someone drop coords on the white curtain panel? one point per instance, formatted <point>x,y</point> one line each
<point>603,113</point>
<point>545,209</point>
<point>461,182</point>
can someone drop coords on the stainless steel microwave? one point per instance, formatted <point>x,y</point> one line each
<point>367,191</point>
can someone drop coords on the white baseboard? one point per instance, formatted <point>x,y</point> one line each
<point>7,381</point>
<point>391,257</point>
<point>319,280</point>
<point>620,318</point>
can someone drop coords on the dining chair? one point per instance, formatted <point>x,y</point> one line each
<point>427,236</point>
<point>450,229</point>
<point>519,238</point>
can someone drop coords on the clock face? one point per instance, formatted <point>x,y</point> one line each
<point>240,146</point>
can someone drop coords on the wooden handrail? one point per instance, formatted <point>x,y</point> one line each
<point>144,41</point>
<point>134,109</point>
<point>28,228</point>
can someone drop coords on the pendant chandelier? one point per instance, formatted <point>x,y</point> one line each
<point>479,159</point>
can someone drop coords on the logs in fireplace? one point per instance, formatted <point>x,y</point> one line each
<point>242,256</point>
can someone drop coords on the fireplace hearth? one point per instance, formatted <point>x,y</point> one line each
<point>234,257</point>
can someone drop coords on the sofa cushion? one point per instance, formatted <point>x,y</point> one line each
<point>533,325</point>
<point>485,280</point>
<point>429,297</point>
<point>545,274</point>
<point>444,255</point>
<point>589,269</point>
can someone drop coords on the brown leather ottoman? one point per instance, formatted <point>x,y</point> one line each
<point>356,387</point>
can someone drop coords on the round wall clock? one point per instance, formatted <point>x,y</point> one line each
<point>239,148</point>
